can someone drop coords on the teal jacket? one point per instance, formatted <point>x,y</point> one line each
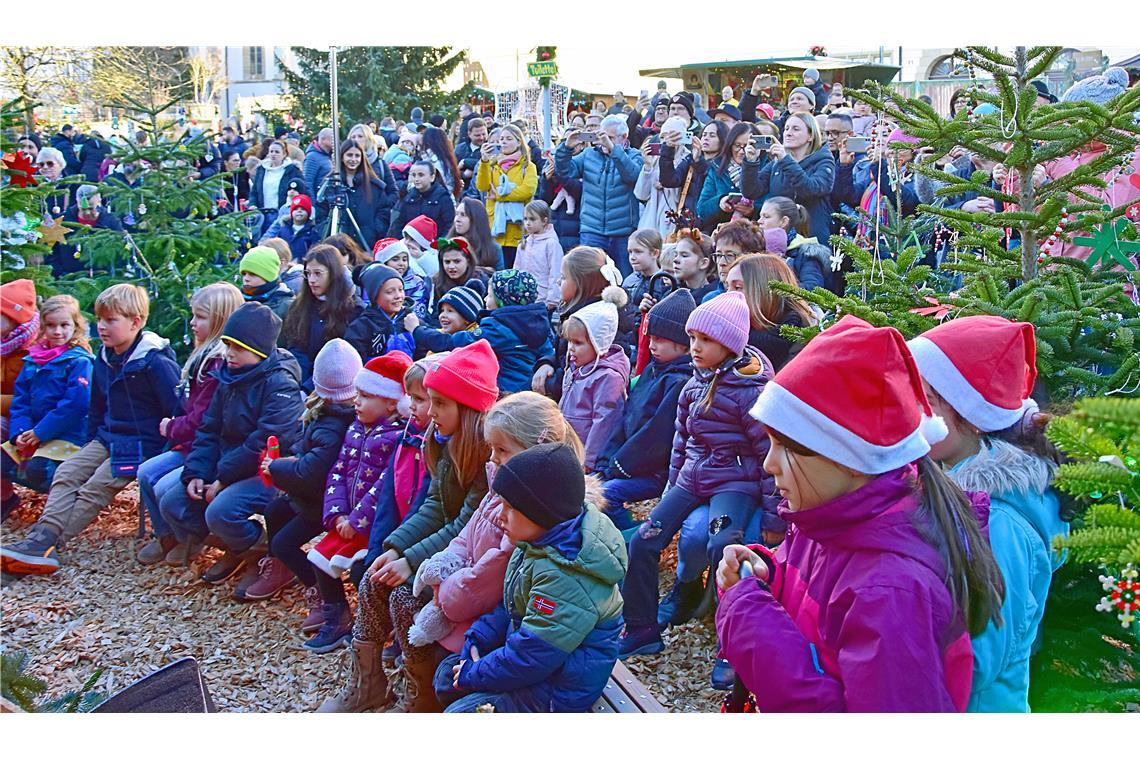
<point>1024,519</point>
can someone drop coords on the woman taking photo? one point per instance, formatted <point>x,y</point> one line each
<point>237,181</point>
<point>769,309</point>
<point>801,168</point>
<point>270,185</point>
<point>510,180</point>
<point>436,148</point>
<point>722,197</point>
<point>693,168</point>
<point>471,223</point>
<point>369,200</point>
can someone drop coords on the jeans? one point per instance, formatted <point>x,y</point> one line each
<point>693,543</point>
<point>227,516</point>
<point>527,700</point>
<point>621,491</point>
<point>156,476</point>
<point>729,513</point>
<point>615,246</point>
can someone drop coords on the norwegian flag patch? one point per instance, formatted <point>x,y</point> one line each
<point>544,606</point>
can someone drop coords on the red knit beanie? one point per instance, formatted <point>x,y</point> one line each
<point>18,300</point>
<point>468,375</point>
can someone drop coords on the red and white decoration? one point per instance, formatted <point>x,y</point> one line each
<point>384,375</point>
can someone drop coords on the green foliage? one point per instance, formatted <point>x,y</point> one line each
<point>23,690</point>
<point>18,203</point>
<point>1102,438</point>
<point>1085,662</point>
<point>375,82</point>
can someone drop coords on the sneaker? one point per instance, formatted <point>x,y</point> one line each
<point>335,632</point>
<point>723,676</point>
<point>640,640</point>
<point>156,549</point>
<point>316,616</point>
<point>679,604</point>
<point>273,577</point>
<point>182,554</point>
<point>35,555</point>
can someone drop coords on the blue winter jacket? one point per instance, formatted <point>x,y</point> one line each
<point>518,335</point>
<point>808,182</point>
<point>249,406</point>
<point>318,166</point>
<point>641,446</point>
<point>1024,519</point>
<point>128,401</point>
<point>300,241</point>
<point>608,204</point>
<point>553,641</point>
<point>50,397</point>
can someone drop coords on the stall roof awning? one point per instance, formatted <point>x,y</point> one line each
<point>881,72</point>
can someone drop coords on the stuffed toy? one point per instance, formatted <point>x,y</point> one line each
<point>431,624</point>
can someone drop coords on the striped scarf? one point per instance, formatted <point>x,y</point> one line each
<point>20,335</point>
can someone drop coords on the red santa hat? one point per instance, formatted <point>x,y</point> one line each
<point>983,366</point>
<point>423,230</point>
<point>854,396</point>
<point>384,375</point>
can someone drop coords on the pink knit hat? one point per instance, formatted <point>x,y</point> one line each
<point>776,241</point>
<point>468,376</point>
<point>724,319</point>
<point>899,136</point>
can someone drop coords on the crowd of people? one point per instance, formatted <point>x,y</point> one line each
<point>454,400</point>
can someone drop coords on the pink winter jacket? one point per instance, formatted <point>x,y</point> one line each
<point>1123,189</point>
<point>542,257</point>
<point>593,400</point>
<point>475,590</point>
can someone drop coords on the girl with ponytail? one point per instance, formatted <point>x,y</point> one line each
<point>869,603</point>
<point>979,373</point>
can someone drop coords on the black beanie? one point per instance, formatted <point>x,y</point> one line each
<point>255,327</point>
<point>686,100</point>
<point>373,276</point>
<point>668,316</point>
<point>545,483</point>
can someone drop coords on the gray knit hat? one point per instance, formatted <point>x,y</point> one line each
<point>806,92</point>
<point>334,371</point>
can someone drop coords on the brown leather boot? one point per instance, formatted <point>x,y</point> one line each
<point>420,664</point>
<point>366,687</point>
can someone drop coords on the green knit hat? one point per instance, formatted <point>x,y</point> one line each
<point>262,261</point>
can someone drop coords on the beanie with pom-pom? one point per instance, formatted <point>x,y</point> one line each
<point>467,299</point>
<point>1100,88</point>
<point>601,318</point>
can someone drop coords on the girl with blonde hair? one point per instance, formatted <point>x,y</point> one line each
<point>210,307</point>
<point>769,309</point>
<point>50,400</point>
<point>510,180</point>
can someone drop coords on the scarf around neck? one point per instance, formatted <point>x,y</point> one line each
<point>20,336</point>
<point>41,353</point>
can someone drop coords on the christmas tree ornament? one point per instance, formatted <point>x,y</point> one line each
<point>1133,212</point>
<point>51,234</point>
<point>936,309</point>
<point>1123,597</point>
<point>837,258</point>
<point>142,208</point>
<point>1107,245</point>
<point>20,170</point>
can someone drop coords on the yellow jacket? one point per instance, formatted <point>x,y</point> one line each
<point>526,184</point>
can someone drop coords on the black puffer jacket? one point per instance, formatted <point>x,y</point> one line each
<point>303,475</point>
<point>436,204</point>
<point>246,409</point>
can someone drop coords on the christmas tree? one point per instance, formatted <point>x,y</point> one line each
<point>385,81</point>
<point>1084,315</point>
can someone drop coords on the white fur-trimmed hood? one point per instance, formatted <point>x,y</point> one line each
<point>1002,468</point>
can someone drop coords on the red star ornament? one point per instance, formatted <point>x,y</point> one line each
<point>20,169</point>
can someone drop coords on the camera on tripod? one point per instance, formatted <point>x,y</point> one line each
<point>333,192</point>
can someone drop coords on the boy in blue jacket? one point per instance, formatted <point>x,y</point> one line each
<point>551,644</point>
<point>258,395</point>
<point>133,388</point>
<point>635,463</point>
<point>515,324</point>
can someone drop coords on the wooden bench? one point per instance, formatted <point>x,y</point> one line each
<point>625,694</point>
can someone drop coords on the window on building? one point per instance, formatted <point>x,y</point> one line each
<point>254,62</point>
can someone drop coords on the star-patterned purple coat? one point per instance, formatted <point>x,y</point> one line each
<point>353,483</point>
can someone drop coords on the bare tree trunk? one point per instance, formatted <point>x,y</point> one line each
<point>1027,200</point>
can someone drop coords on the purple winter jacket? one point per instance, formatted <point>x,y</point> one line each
<point>352,486</point>
<point>722,449</point>
<point>856,617</point>
<point>593,400</point>
<point>180,431</point>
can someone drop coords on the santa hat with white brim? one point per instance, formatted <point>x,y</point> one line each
<point>384,375</point>
<point>983,366</point>
<point>854,396</point>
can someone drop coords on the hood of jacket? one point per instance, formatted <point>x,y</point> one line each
<point>148,342</point>
<point>529,323</point>
<point>584,546</point>
<point>279,360</point>
<point>1014,477</point>
<point>547,234</point>
<point>614,358</point>
<point>880,516</point>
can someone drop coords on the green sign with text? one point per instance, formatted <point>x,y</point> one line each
<point>542,69</point>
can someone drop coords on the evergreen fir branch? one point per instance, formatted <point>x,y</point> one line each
<point>19,688</point>
<point>1100,546</point>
